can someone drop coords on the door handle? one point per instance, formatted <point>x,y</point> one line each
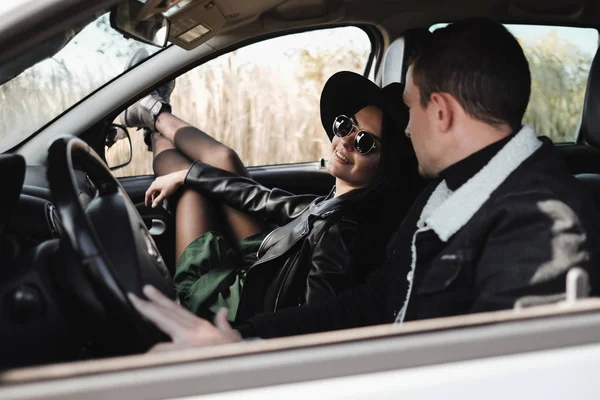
<point>158,227</point>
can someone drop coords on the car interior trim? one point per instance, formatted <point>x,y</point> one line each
<point>322,356</point>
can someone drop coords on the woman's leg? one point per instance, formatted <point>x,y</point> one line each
<point>197,145</point>
<point>194,214</point>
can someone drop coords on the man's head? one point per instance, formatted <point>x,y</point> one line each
<point>469,87</point>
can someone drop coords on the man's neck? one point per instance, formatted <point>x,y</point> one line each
<point>460,172</point>
<point>472,137</point>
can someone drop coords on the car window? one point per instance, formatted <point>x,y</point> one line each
<point>39,94</point>
<point>262,100</point>
<point>559,59</point>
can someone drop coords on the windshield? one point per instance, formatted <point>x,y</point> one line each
<point>93,57</point>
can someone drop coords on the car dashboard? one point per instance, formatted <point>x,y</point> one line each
<point>31,265</point>
<point>34,218</point>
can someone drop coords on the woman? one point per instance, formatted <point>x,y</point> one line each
<point>287,250</point>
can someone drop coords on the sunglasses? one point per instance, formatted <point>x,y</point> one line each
<point>364,141</point>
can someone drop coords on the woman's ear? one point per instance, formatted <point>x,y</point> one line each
<point>443,111</point>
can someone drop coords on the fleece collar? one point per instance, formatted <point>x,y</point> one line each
<point>446,212</point>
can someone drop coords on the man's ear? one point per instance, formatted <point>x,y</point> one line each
<point>443,111</point>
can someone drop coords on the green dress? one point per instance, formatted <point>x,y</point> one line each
<point>210,273</point>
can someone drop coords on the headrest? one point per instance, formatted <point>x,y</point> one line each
<point>399,53</point>
<point>590,120</point>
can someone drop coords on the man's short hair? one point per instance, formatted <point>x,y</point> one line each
<point>482,65</point>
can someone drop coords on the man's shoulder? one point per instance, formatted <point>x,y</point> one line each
<point>533,192</point>
<point>544,176</point>
<point>542,189</point>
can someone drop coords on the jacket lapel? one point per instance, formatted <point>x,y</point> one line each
<point>446,212</point>
<point>283,238</point>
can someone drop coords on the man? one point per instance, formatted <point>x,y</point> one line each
<point>503,220</point>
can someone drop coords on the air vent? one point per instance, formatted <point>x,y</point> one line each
<point>232,16</point>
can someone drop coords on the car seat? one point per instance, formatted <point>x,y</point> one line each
<point>399,54</point>
<point>590,126</point>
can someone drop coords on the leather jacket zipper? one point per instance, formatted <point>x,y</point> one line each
<point>281,288</point>
<point>262,245</point>
<point>264,260</point>
<point>306,229</point>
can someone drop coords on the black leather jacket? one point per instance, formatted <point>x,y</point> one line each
<point>519,244</point>
<point>306,259</point>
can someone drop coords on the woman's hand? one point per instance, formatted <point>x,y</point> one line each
<point>185,329</point>
<point>163,187</point>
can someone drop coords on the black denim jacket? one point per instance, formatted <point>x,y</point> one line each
<point>482,251</point>
<point>306,259</point>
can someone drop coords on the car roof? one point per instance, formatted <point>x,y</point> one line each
<point>28,22</point>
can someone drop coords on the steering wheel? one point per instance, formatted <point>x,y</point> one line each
<point>108,236</point>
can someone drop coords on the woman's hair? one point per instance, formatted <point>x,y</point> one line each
<point>392,190</point>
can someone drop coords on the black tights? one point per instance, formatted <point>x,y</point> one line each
<point>195,214</point>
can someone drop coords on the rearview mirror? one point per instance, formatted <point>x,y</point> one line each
<point>154,29</point>
<point>117,147</point>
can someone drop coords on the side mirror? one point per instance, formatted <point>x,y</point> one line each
<point>132,21</point>
<point>117,147</point>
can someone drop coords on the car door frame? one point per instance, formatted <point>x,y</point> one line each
<point>326,363</point>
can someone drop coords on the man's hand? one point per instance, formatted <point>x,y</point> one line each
<point>163,187</point>
<point>185,329</point>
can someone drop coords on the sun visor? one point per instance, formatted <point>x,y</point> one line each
<point>194,22</point>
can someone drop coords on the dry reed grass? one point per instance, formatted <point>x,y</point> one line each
<point>266,115</point>
<point>269,115</point>
<point>37,96</point>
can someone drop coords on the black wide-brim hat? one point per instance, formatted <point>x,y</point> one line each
<point>346,93</point>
